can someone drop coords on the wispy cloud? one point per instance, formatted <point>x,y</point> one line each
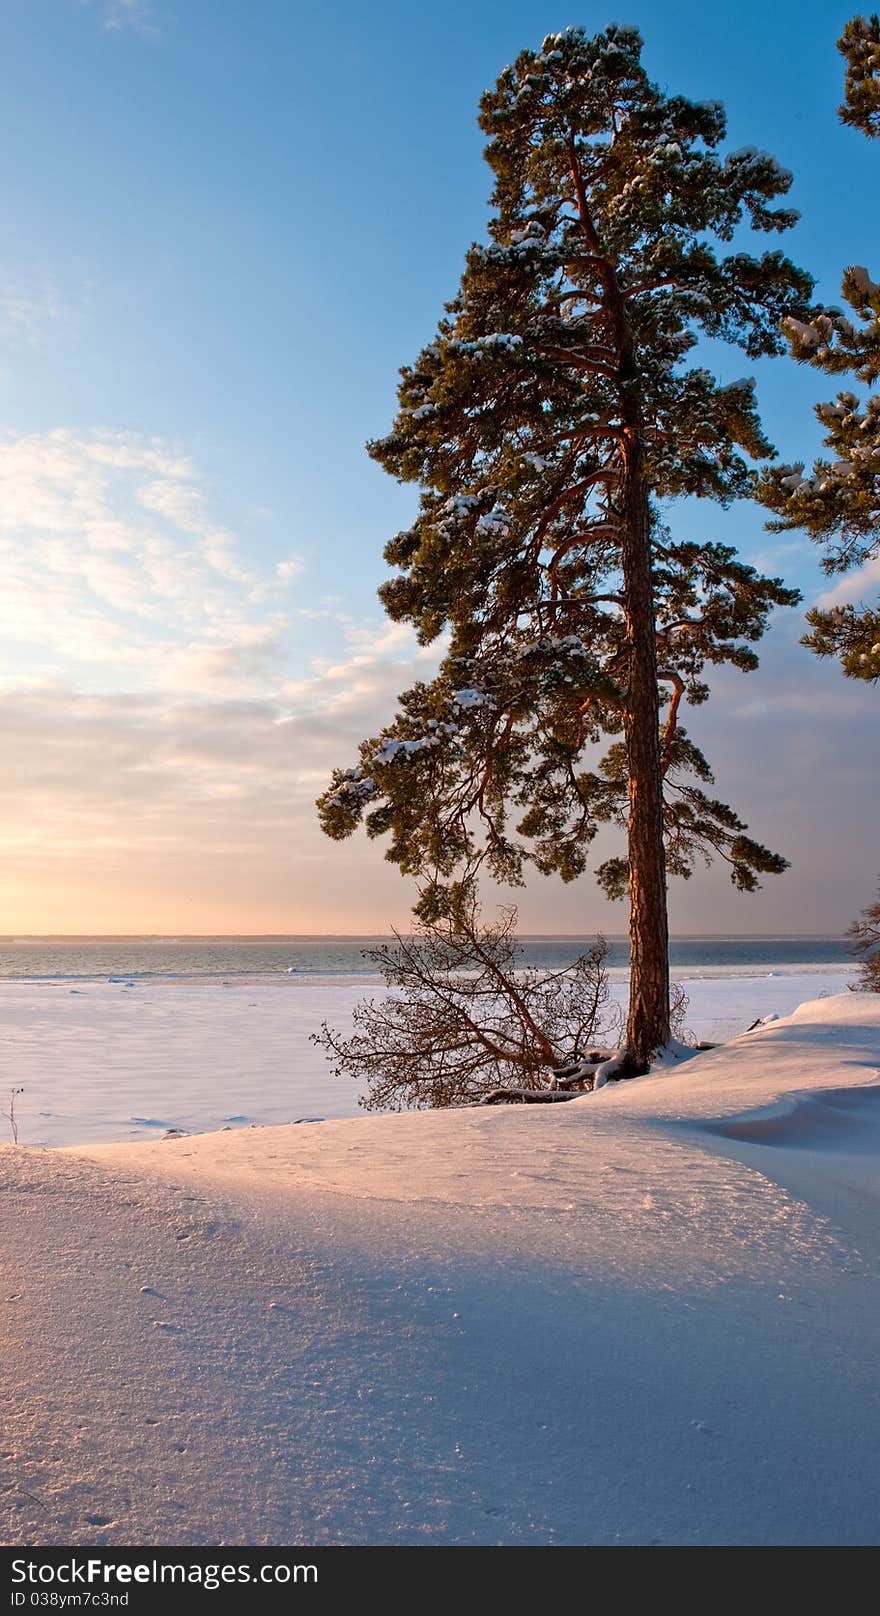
<point>860,585</point>
<point>115,573</point>
<point>158,717</point>
<point>28,312</point>
<point>136,16</point>
<point>132,618</point>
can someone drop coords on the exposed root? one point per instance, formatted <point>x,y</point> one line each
<point>600,1067</point>
<point>526,1097</point>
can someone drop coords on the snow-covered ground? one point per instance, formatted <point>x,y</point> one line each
<point>648,1315</point>
<point>129,1059</point>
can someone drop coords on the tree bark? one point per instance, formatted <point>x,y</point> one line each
<point>648,1020</point>
<point>648,1027</point>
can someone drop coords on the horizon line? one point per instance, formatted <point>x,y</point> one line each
<point>366,936</point>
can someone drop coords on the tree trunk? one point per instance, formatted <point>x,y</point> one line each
<point>648,1021</point>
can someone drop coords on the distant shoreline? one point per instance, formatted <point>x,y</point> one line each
<point>186,939</point>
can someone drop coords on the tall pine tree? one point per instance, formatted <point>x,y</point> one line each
<point>550,413</point>
<point>838,502</point>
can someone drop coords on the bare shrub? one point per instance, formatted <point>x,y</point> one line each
<point>466,1023</point>
<point>865,945</point>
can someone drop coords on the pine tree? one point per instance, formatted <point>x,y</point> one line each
<point>543,423</point>
<point>859,45</point>
<point>838,503</point>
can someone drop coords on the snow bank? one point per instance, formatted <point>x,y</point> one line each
<point>504,1157</point>
<point>646,1316</point>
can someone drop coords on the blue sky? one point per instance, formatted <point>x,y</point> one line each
<point>225,226</point>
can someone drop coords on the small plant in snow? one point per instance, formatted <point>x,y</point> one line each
<point>465,1023</point>
<point>10,1114</point>
<point>679,1005</point>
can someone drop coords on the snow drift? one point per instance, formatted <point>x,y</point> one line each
<point>645,1316</point>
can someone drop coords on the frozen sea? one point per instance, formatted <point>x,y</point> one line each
<point>60,957</point>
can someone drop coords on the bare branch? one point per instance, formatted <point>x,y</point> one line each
<point>464,1021</point>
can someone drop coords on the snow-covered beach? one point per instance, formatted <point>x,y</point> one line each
<point>646,1316</point>
<point>131,1057</point>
